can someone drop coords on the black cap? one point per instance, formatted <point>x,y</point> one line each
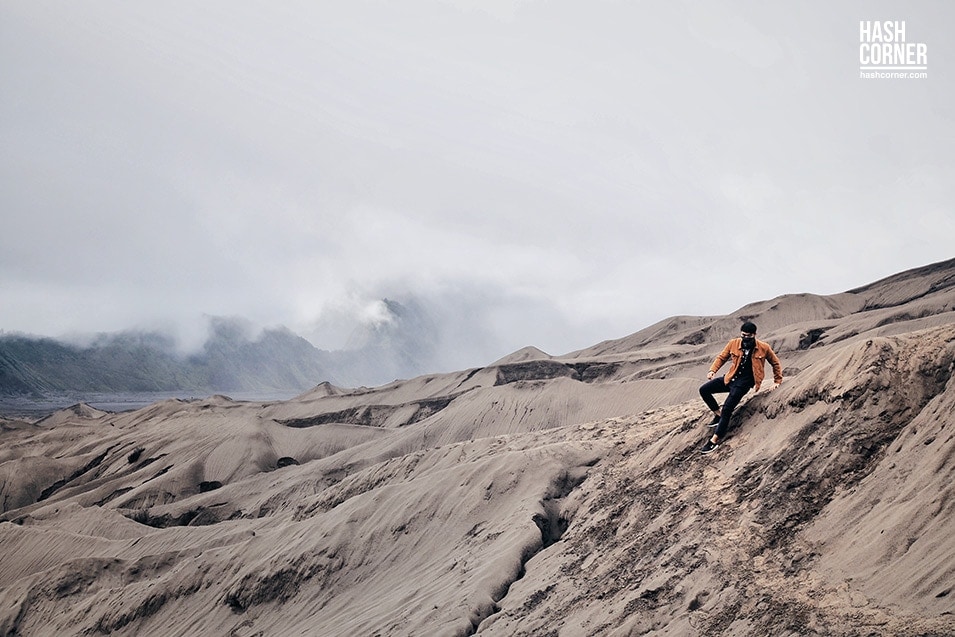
<point>748,327</point>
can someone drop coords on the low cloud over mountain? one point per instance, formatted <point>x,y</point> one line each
<point>399,343</point>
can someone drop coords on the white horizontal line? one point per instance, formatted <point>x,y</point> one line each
<point>893,68</point>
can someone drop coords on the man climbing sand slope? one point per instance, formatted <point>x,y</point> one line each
<point>749,358</point>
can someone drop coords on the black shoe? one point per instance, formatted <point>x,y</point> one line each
<point>709,447</point>
<point>716,421</point>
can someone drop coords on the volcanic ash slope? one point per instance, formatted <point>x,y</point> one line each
<point>538,496</point>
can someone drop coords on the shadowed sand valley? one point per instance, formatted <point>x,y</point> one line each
<point>541,495</point>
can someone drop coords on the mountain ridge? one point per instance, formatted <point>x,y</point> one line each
<point>136,361</point>
<point>232,359</point>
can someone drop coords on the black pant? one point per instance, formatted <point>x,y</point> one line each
<point>736,391</point>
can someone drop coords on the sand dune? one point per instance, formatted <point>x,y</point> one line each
<point>541,495</point>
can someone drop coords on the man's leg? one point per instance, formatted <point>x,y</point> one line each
<point>736,394</point>
<point>707,389</point>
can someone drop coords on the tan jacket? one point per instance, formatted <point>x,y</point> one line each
<point>734,350</point>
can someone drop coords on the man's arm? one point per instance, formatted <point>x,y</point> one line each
<point>721,358</point>
<point>777,366</point>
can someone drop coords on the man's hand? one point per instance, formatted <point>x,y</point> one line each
<point>710,375</point>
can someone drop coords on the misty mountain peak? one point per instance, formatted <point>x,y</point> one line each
<point>389,323</point>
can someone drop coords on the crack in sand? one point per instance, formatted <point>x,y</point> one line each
<point>552,523</point>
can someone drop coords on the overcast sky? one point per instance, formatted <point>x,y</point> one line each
<point>548,173</point>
